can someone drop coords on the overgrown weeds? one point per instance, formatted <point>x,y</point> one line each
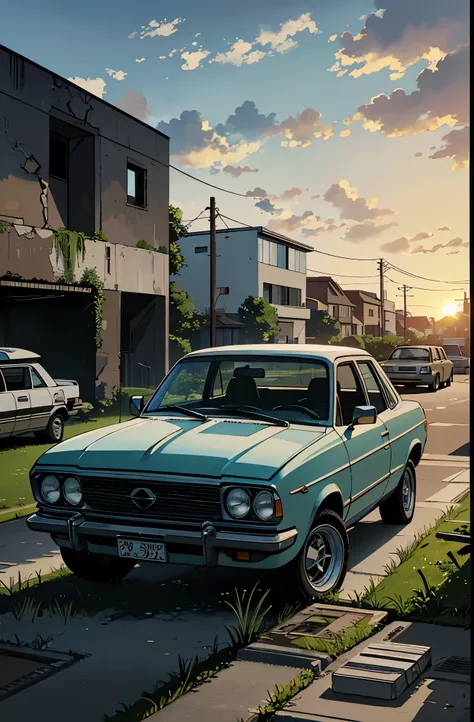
<point>278,699</point>
<point>338,642</point>
<point>250,615</point>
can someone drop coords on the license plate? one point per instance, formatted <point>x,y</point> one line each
<point>146,551</point>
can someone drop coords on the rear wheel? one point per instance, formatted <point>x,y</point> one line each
<point>399,508</point>
<point>434,385</point>
<point>450,380</point>
<point>96,567</point>
<point>54,430</point>
<point>321,565</point>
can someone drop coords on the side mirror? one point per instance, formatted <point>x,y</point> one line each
<point>363,415</point>
<point>136,405</point>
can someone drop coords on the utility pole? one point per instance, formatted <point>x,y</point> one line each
<point>382,268</point>
<point>212,289</point>
<point>405,288</point>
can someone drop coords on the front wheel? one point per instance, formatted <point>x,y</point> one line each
<point>434,385</point>
<point>450,380</point>
<point>399,508</point>
<point>96,567</point>
<point>321,565</point>
<point>54,430</point>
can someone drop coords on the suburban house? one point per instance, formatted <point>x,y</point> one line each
<point>421,323</point>
<point>249,262</point>
<point>390,316</point>
<point>324,290</point>
<point>84,187</point>
<point>367,309</point>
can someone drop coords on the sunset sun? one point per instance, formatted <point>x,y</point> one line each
<point>450,309</point>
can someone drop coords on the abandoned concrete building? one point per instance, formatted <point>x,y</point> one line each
<point>69,160</point>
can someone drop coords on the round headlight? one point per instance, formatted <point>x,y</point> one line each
<point>238,503</point>
<point>50,489</point>
<point>264,505</point>
<point>72,490</point>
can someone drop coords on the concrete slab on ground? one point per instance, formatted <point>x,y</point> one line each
<point>430,699</point>
<point>230,696</point>
<point>449,493</point>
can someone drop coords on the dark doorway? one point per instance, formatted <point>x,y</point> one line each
<point>59,325</point>
<point>72,177</point>
<point>142,340</point>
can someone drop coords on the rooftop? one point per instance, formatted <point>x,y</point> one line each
<point>16,354</point>
<point>265,232</point>
<point>282,349</point>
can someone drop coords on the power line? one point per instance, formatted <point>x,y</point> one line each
<point>423,278</point>
<point>199,180</point>
<point>341,275</point>
<point>234,221</point>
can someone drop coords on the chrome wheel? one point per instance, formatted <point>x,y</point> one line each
<point>57,427</point>
<point>408,492</point>
<point>324,558</point>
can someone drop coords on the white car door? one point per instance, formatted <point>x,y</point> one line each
<point>18,383</point>
<point>41,402</point>
<point>7,410</point>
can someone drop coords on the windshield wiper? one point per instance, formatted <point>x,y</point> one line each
<point>253,414</point>
<point>184,410</point>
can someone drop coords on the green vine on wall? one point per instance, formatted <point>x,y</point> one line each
<point>90,277</point>
<point>69,245</point>
<point>144,245</point>
<point>4,227</point>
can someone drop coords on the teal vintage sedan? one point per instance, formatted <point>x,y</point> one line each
<point>256,457</point>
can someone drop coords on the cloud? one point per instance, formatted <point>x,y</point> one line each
<point>316,196</point>
<point>418,155</point>
<point>361,231</point>
<point>332,38</point>
<point>352,207</point>
<point>441,99</point>
<point>193,60</point>
<point>345,133</point>
<point>266,205</point>
<point>456,146</point>
<point>162,28</point>
<point>139,60</point>
<point>132,35</point>
<point>401,33</point>
<point>135,104</point>
<point>292,223</point>
<point>95,86</point>
<point>247,122</point>
<point>257,193</point>
<point>244,52</point>
<point>237,170</point>
<point>313,232</point>
<point>301,130</point>
<point>116,74</point>
<point>453,243</point>
<point>290,193</point>
<point>444,228</point>
<point>403,244</point>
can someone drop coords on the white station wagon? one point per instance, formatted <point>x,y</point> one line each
<point>30,400</point>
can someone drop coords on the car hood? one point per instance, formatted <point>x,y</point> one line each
<point>220,447</point>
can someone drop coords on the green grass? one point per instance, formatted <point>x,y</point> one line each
<point>19,454</point>
<point>337,643</point>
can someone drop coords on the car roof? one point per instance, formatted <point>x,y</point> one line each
<point>16,354</point>
<point>283,349</point>
<point>417,345</point>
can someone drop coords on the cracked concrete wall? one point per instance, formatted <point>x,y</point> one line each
<point>29,97</point>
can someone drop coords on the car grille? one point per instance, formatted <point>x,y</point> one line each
<point>175,500</point>
<point>409,369</point>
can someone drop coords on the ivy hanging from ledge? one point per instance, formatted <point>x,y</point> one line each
<point>90,277</point>
<point>69,245</point>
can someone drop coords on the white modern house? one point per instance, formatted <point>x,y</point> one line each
<point>250,262</point>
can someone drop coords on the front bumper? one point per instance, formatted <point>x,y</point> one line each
<point>402,377</point>
<point>86,535</point>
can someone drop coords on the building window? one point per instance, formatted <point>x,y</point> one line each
<point>371,312</point>
<point>345,313</point>
<point>267,292</point>
<point>136,186</point>
<point>295,296</point>
<point>282,253</point>
<point>334,311</point>
<point>58,157</point>
<point>107,259</point>
<point>266,251</point>
<point>201,249</point>
<point>291,259</point>
<point>260,250</point>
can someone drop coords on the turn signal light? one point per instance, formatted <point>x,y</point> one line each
<point>242,556</point>
<point>278,508</point>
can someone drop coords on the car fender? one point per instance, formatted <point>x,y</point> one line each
<point>414,443</point>
<point>323,494</point>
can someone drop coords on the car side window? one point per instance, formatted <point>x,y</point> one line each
<point>443,354</point>
<point>350,392</point>
<point>36,380</point>
<point>17,378</point>
<point>436,355</point>
<point>2,383</point>
<point>374,389</point>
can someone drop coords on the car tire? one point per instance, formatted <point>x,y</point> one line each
<point>450,380</point>
<point>434,385</point>
<point>399,508</point>
<point>327,539</point>
<point>96,567</point>
<point>54,431</point>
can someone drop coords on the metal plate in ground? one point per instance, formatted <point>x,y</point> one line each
<point>21,667</point>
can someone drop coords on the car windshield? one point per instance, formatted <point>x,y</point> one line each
<point>410,353</point>
<point>292,389</point>
<point>452,350</point>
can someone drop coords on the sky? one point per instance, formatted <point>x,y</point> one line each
<point>340,123</point>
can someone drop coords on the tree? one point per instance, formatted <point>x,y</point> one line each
<point>184,321</point>
<point>260,320</point>
<point>176,231</point>
<point>323,327</point>
<point>381,348</point>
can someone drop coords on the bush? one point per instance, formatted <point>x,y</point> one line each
<point>381,348</point>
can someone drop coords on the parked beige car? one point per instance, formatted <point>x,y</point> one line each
<point>419,366</point>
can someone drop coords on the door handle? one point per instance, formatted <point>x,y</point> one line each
<point>23,398</point>
<point>383,434</point>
